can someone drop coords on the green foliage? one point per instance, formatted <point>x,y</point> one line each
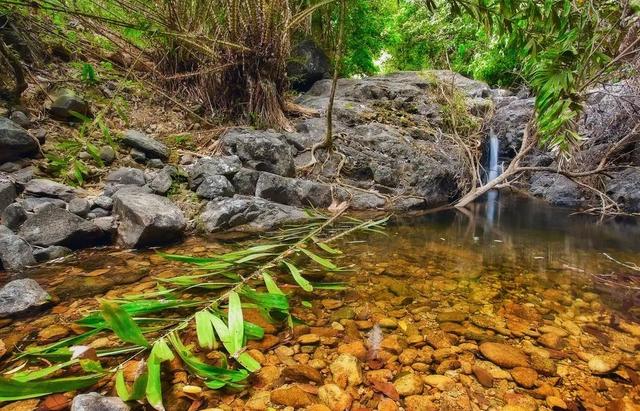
<point>422,38</point>
<point>161,313</point>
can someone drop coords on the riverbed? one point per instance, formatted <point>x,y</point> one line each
<point>512,304</point>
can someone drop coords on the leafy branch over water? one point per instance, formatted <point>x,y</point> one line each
<point>150,324</point>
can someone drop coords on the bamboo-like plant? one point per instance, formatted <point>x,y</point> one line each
<point>156,323</point>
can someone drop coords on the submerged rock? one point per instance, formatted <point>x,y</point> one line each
<point>19,296</point>
<point>147,219</point>
<point>248,214</point>
<point>151,147</point>
<point>96,402</point>
<point>15,253</point>
<point>15,142</point>
<point>504,355</point>
<point>260,150</point>
<point>52,225</point>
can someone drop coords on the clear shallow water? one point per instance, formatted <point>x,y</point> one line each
<point>515,270</point>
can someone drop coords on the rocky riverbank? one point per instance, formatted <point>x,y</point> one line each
<point>398,147</point>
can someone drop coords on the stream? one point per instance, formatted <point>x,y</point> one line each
<point>512,271</point>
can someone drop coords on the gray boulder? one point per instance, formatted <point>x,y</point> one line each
<point>79,206</point>
<point>19,296</point>
<point>41,187</point>
<point>108,226</point>
<point>260,150</point>
<point>126,176</point>
<point>161,183</point>
<point>8,193</point>
<point>15,142</point>
<point>248,214</point>
<point>293,191</point>
<point>66,104</point>
<point>52,225</point>
<point>103,202</point>
<point>50,253</point>
<point>214,186</point>
<point>308,64</point>
<point>33,204</point>
<point>471,88</point>
<point>556,189</point>
<point>147,219</point>
<point>96,402</point>
<point>151,147</point>
<point>624,188</point>
<point>13,216</point>
<point>210,166</point>
<point>20,119</point>
<point>245,181</point>
<point>15,253</point>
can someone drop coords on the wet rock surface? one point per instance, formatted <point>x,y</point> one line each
<point>19,296</point>
<point>96,402</point>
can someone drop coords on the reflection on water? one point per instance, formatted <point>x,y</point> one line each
<point>514,235</point>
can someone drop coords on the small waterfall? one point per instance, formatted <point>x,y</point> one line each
<point>494,146</point>
<point>493,173</point>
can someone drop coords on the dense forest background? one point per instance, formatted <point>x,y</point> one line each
<point>230,57</point>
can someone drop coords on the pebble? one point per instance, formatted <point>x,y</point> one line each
<point>346,371</point>
<point>408,384</point>
<point>525,377</point>
<point>291,395</point>
<point>504,355</point>
<point>483,376</point>
<point>603,364</point>
<point>334,397</point>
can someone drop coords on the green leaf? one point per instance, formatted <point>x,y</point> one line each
<point>235,323</point>
<point>204,370</point>
<point>91,366</point>
<point>26,376</point>
<point>271,285</point>
<point>322,261</point>
<point>267,301</point>
<point>122,324</point>
<point>12,390</point>
<point>248,362</point>
<point>204,329</point>
<point>307,304</point>
<point>139,386</point>
<point>159,353</point>
<point>328,249</point>
<point>295,273</point>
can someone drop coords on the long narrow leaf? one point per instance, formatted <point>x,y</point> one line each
<point>11,390</point>
<point>235,323</point>
<point>204,329</point>
<point>122,324</point>
<point>297,276</point>
<point>320,260</point>
<point>159,353</point>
